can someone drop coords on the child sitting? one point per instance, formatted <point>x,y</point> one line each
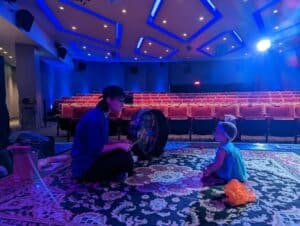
<point>228,163</point>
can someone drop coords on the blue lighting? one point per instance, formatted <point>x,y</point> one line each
<point>239,43</point>
<point>207,4</point>
<point>155,7</point>
<point>141,40</point>
<point>257,14</point>
<point>118,27</point>
<point>263,45</point>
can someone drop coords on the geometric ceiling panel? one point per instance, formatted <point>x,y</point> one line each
<point>183,24</point>
<point>92,52</point>
<point>83,22</point>
<point>222,44</point>
<point>277,15</point>
<point>150,47</point>
<point>287,44</point>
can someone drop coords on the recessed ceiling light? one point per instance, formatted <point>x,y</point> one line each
<point>232,47</point>
<point>1,48</point>
<point>89,54</point>
<point>108,53</point>
<point>105,26</point>
<point>145,51</point>
<point>246,54</point>
<point>124,11</point>
<point>201,18</point>
<point>84,47</point>
<point>74,28</point>
<point>167,50</point>
<point>10,57</point>
<point>280,43</point>
<point>149,43</point>
<point>280,51</point>
<point>184,34</point>
<point>164,21</point>
<point>276,27</point>
<point>5,52</point>
<point>207,48</point>
<point>263,45</point>
<point>107,39</point>
<point>136,58</point>
<point>275,11</point>
<point>224,38</point>
<point>160,57</point>
<point>106,57</point>
<point>61,7</point>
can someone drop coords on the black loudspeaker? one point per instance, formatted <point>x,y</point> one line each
<point>79,65</point>
<point>24,19</point>
<point>61,51</point>
<point>134,70</point>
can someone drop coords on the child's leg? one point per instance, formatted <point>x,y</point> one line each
<point>212,180</point>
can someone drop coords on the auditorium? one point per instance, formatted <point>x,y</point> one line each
<point>150,112</point>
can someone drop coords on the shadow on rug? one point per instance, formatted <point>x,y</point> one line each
<point>165,191</point>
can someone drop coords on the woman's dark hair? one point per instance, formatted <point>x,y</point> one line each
<point>111,92</point>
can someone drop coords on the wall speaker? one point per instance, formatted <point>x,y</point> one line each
<point>134,69</point>
<point>24,19</point>
<point>60,50</point>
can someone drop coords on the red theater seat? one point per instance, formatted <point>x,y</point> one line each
<point>252,121</point>
<point>202,121</point>
<point>201,112</point>
<point>128,112</point>
<point>252,111</point>
<point>179,122</point>
<point>283,112</point>
<point>221,111</point>
<point>281,122</point>
<point>178,113</point>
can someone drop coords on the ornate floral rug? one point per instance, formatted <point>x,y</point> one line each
<point>165,191</point>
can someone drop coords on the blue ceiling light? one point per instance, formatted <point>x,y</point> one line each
<point>206,3</point>
<point>144,41</point>
<point>234,42</point>
<point>263,45</point>
<point>258,13</point>
<point>118,27</point>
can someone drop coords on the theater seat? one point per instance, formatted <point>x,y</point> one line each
<point>179,122</point>
<point>202,120</point>
<point>281,121</point>
<point>221,111</point>
<point>126,116</point>
<point>252,121</point>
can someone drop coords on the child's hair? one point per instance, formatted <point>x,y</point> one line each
<point>230,130</point>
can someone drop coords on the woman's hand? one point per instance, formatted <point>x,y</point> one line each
<point>124,146</point>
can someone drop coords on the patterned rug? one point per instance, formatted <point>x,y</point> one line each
<point>165,191</point>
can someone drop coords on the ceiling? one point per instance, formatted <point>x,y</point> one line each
<point>167,30</point>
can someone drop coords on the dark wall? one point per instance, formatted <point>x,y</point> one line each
<point>266,72</point>
<point>4,117</point>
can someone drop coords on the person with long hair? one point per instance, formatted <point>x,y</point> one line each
<point>94,158</point>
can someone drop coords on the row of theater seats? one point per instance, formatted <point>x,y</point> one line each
<point>258,113</point>
<point>253,120</point>
<point>186,111</point>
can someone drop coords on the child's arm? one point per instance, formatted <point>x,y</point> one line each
<point>221,154</point>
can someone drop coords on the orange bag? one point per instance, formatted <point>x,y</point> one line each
<point>238,193</point>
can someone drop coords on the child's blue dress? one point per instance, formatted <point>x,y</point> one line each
<point>233,166</point>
